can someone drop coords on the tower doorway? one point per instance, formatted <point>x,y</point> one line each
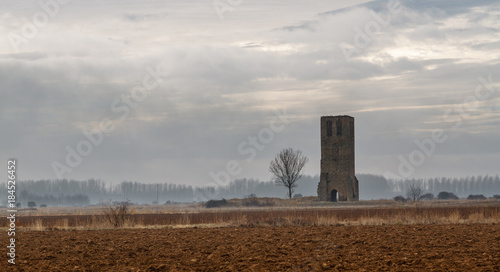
<point>333,195</point>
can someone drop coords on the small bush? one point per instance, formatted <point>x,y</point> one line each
<point>116,213</point>
<point>251,202</point>
<point>31,204</point>
<point>428,196</point>
<point>43,206</point>
<point>476,197</point>
<point>399,198</point>
<point>297,195</point>
<point>496,196</point>
<point>447,195</point>
<point>216,203</point>
<point>250,196</point>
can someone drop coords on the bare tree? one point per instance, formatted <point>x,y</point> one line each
<point>415,192</point>
<point>286,168</point>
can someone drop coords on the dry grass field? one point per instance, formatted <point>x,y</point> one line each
<point>365,236</point>
<point>278,213</point>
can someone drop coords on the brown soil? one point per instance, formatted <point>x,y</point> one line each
<point>458,247</point>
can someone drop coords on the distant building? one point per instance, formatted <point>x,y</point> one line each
<point>337,180</point>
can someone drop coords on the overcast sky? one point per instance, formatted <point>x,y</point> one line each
<point>177,87</point>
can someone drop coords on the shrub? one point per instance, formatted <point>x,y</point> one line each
<point>43,206</point>
<point>297,195</point>
<point>496,196</point>
<point>253,201</point>
<point>476,197</point>
<point>31,204</point>
<point>116,213</point>
<point>428,196</point>
<point>399,198</point>
<point>216,203</point>
<point>447,195</point>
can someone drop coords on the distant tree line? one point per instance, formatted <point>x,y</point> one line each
<point>462,187</point>
<point>53,200</point>
<point>94,191</point>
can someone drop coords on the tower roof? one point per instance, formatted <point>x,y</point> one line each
<point>336,116</point>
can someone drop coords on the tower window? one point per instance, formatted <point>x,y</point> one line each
<point>339,127</point>
<point>329,128</point>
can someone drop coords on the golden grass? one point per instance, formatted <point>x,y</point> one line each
<point>274,203</point>
<point>397,214</point>
<point>407,218</point>
<point>63,224</point>
<point>37,225</point>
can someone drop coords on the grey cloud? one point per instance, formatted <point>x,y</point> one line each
<point>135,17</point>
<point>376,6</point>
<point>401,65</point>
<point>449,8</point>
<point>486,46</point>
<point>227,78</point>
<point>304,26</point>
<point>28,56</point>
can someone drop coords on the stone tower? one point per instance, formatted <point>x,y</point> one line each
<point>337,180</point>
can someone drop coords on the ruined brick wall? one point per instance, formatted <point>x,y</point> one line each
<point>337,180</point>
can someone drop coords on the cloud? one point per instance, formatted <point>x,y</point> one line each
<point>144,17</point>
<point>227,78</point>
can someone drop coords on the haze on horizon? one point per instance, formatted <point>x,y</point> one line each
<point>205,79</point>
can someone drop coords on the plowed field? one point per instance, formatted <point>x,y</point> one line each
<point>459,247</point>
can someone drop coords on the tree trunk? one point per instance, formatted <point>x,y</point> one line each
<point>290,192</point>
